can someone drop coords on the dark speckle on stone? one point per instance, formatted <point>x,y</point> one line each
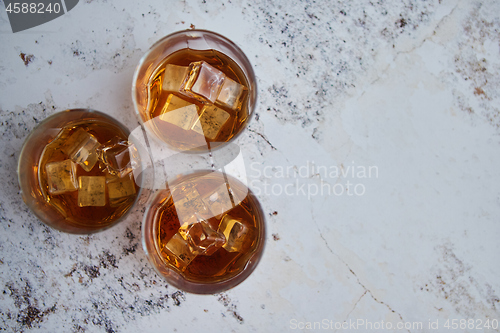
<point>130,249</point>
<point>92,271</point>
<point>129,234</point>
<point>133,244</point>
<point>276,237</point>
<point>27,58</point>
<point>29,315</point>
<point>401,22</point>
<point>70,273</point>
<point>230,307</point>
<point>107,260</point>
<point>178,297</point>
<point>479,91</point>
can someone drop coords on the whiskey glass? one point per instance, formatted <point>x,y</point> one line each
<point>205,232</point>
<point>79,173</point>
<point>194,90</point>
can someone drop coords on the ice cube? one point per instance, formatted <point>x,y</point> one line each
<point>200,236</point>
<point>238,235</point>
<point>210,121</point>
<point>203,82</point>
<point>120,190</point>
<point>179,112</point>
<point>173,77</point>
<point>231,94</point>
<point>178,251</point>
<point>61,176</point>
<point>91,191</point>
<point>150,93</point>
<point>219,201</point>
<point>116,156</point>
<point>187,201</point>
<point>81,147</point>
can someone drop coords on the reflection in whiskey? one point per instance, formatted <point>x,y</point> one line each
<point>85,173</point>
<point>196,99</point>
<point>207,226</point>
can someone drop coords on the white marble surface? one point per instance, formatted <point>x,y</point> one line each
<point>410,88</point>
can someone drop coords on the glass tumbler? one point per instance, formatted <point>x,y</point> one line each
<point>194,90</point>
<point>80,173</point>
<point>205,232</point>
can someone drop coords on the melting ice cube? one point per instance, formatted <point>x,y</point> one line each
<point>238,235</point>
<point>178,251</point>
<point>91,191</point>
<point>203,82</point>
<point>231,94</point>
<point>200,236</point>
<point>173,77</point>
<point>61,176</point>
<point>179,112</point>
<point>120,190</point>
<point>187,201</point>
<point>116,154</point>
<point>81,147</point>
<point>210,121</point>
<point>218,201</point>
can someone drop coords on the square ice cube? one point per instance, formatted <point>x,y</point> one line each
<point>203,82</point>
<point>210,121</point>
<point>61,176</point>
<point>178,251</point>
<point>231,94</point>
<point>151,92</point>
<point>116,156</point>
<point>120,190</point>
<point>200,236</point>
<point>219,201</point>
<point>81,147</point>
<point>179,112</point>
<point>187,201</point>
<point>173,77</point>
<point>238,235</point>
<point>91,191</point>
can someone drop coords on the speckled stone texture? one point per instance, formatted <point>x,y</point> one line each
<point>409,88</point>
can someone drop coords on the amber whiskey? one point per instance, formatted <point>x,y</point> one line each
<point>85,173</point>
<point>207,227</point>
<point>196,100</point>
